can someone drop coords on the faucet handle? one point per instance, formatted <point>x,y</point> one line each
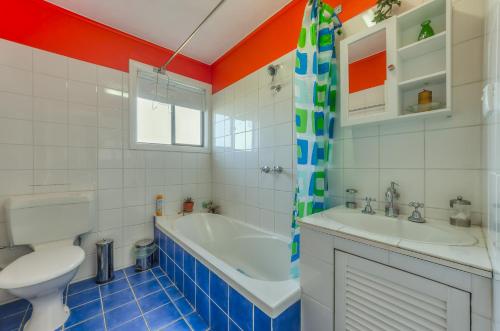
<point>368,208</point>
<point>416,204</point>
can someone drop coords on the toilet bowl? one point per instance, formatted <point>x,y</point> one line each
<point>41,277</point>
<point>50,224</point>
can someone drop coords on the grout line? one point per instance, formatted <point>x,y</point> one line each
<point>102,308</point>
<point>136,300</point>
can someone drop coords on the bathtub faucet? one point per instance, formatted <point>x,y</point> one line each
<point>211,207</point>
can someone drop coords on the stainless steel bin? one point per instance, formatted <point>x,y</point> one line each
<point>144,254</point>
<point>105,269</point>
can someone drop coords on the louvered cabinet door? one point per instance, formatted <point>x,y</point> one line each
<point>370,296</point>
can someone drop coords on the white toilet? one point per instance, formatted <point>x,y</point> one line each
<point>50,224</point>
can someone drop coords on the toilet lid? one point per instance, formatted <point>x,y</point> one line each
<point>40,266</point>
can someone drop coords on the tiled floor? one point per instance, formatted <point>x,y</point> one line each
<point>133,301</point>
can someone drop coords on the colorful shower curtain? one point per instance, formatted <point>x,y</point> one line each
<point>315,98</point>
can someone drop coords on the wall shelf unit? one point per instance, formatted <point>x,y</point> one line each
<point>410,66</point>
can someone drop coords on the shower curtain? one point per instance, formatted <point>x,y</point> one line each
<point>315,97</point>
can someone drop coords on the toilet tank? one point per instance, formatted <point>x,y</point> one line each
<point>44,218</point>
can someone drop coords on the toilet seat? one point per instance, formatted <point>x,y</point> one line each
<point>40,266</point>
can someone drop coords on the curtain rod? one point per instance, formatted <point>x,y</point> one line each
<point>163,68</point>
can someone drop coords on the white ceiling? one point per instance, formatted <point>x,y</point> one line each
<point>168,22</point>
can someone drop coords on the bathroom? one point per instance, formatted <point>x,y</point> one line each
<point>276,181</point>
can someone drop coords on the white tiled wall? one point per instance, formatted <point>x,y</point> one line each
<point>433,160</point>
<point>64,127</point>
<point>252,127</point>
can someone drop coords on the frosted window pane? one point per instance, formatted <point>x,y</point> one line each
<point>154,122</point>
<point>187,126</point>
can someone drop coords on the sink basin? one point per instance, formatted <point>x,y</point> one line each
<point>438,234</point>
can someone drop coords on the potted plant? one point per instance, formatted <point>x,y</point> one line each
<point>188,205</point>
<point>384,9</point>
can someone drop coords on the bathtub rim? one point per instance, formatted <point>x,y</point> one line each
<point>253,289</point>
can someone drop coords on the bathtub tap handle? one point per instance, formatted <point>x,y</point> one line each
<point>265,169</point>
<point>277,169</point>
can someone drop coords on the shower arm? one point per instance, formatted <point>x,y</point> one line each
<point>163,68</point>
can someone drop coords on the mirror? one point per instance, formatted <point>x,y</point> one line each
<point>367,74</point>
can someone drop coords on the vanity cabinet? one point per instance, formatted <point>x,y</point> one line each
<point>352,283</point>
<point>373,296</point>
<point>385,67</point>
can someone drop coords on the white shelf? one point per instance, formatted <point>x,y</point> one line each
<point>423,47</point>
<point>414,83</point>
<point>430,113</point>
<point>417,15</point>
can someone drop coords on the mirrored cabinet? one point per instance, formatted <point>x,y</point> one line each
<point>399,68</point>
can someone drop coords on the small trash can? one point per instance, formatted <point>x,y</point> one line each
<point>105,269</point>
<point>144,254</point>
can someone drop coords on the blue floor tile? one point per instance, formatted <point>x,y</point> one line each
<point>130,271</point>
<point>183,306</point>
<point>234,327</point>
<point>86,284</point>
<point>84,312</point>
<point>114,287</point>
<point>165,282</point>
<point>173,293</point>
<point>117,299</point>
<point>11,322</point>
<point>137,324</point>
<point>122,314</point>
<point>153,301</point>
<point>13,308</point>
<point>83,297</point>
<point>197,322</point>
<point>162,316</point>
<point>158,272</point>
<point>140,278</point>
<point>95,324</point>
<point>180,325</point>
<point>146,288</point>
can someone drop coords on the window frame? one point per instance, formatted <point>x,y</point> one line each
<point>134,67</point>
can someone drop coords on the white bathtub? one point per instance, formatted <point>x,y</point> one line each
<point>252,261</point>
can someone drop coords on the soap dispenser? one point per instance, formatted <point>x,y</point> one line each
<point>460,212</point>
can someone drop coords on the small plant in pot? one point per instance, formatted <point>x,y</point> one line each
<point>384,9</point>
<point>188,205</point>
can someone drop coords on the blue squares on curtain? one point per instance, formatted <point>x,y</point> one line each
<point>302,151</point>
<point>301,63</point>
<point>331,126</point>
<point>318,154</point>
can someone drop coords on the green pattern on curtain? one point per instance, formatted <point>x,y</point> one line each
<point>315,96</point>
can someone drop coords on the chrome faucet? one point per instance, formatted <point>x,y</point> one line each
<point>391,195</point>
<point>368,208</point>
<point>416,216</point>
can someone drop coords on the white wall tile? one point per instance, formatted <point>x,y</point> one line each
<point>15,80</point>
<point>16,55</point>
<point>50,110</point>
<point>402,150</point>
<point>16,131</point>
<point>50,63</point>
<point>16,106</point>
<point>82,71</point>
<point>361,153</point>
<point>82,92</point>
<point>453,148</point>
<point>53,134</point>
<point>51,87</point>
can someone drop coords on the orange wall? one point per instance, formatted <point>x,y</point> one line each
<point>273,39</point>
<point>39,24</point>
<point>368,72</point>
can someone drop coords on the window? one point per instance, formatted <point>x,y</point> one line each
<point>168,112</point>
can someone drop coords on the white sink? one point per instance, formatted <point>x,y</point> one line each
<point>435,233</point>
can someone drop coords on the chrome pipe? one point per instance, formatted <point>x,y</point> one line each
<point>163,68</point>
